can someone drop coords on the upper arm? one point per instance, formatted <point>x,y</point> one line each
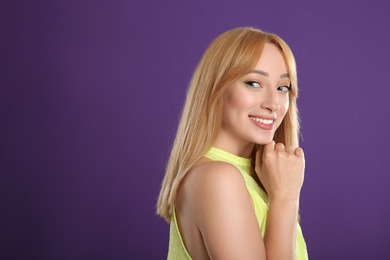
<point>225,215</point>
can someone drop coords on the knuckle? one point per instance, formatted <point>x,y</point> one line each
<point>268,156</point>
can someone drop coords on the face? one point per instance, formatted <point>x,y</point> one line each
<point>255,105</point>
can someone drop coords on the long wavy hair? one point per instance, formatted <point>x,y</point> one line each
<point>230,56</point>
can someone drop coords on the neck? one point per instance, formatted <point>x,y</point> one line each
<point>243,150</point>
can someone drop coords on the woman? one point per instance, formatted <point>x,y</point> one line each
<point>232,183</point>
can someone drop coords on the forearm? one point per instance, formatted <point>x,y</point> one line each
<point>280,235</point>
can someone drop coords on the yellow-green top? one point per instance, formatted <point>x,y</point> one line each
<point>177,249</point>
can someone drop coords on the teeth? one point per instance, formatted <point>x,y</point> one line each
<point>263,121</point>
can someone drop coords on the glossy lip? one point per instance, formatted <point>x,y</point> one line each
<point>261,125</point>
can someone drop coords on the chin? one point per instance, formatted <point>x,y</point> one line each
<point>264,138</point>
<point>263,141</point>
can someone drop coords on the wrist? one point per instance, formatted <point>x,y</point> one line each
<point>284,199</point>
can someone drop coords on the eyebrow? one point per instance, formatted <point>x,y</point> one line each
<point>285,75</point>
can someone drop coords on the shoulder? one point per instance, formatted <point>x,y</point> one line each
<point>208,178</point>
<point>214,170</point>
<point>213,186</point>
<point>215,199</point>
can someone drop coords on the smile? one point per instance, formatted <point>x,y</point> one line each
<point>263,121</point>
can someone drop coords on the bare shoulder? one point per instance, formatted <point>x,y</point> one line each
<point>210,172</point>
<point>212,179</point>
<point>210,182</point>
<point>215,199</point>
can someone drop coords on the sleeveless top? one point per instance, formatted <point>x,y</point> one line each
<point>177,248</point>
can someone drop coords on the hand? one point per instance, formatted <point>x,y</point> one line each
<point>281,170</point>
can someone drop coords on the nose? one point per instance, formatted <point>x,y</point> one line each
<point>271,100</point>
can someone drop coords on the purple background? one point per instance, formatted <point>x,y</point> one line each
<point>91,93</point>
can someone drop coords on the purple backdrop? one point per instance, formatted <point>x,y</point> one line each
<point>91,93</point>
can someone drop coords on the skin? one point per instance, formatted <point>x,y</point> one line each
<point>216,223</point>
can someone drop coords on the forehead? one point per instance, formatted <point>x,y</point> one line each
<point>272,61</point>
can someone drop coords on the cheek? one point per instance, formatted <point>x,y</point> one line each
<point>237,101</point>
<point>284,107</point>
<point>235,105</point>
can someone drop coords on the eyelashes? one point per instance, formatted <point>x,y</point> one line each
<point>284,88</point>
<point>255,84</point>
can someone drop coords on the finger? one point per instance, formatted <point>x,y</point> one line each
<point>299,152</point>
<point>279,147</point>
<point>289,149</point>
<point>269,147</point>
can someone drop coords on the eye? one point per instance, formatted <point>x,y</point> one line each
<point>253,84</point>
<point>284,88</point>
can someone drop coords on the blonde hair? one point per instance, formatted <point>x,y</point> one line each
<point>230,56</point>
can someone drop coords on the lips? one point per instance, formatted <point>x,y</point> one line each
<point>262,122</point>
